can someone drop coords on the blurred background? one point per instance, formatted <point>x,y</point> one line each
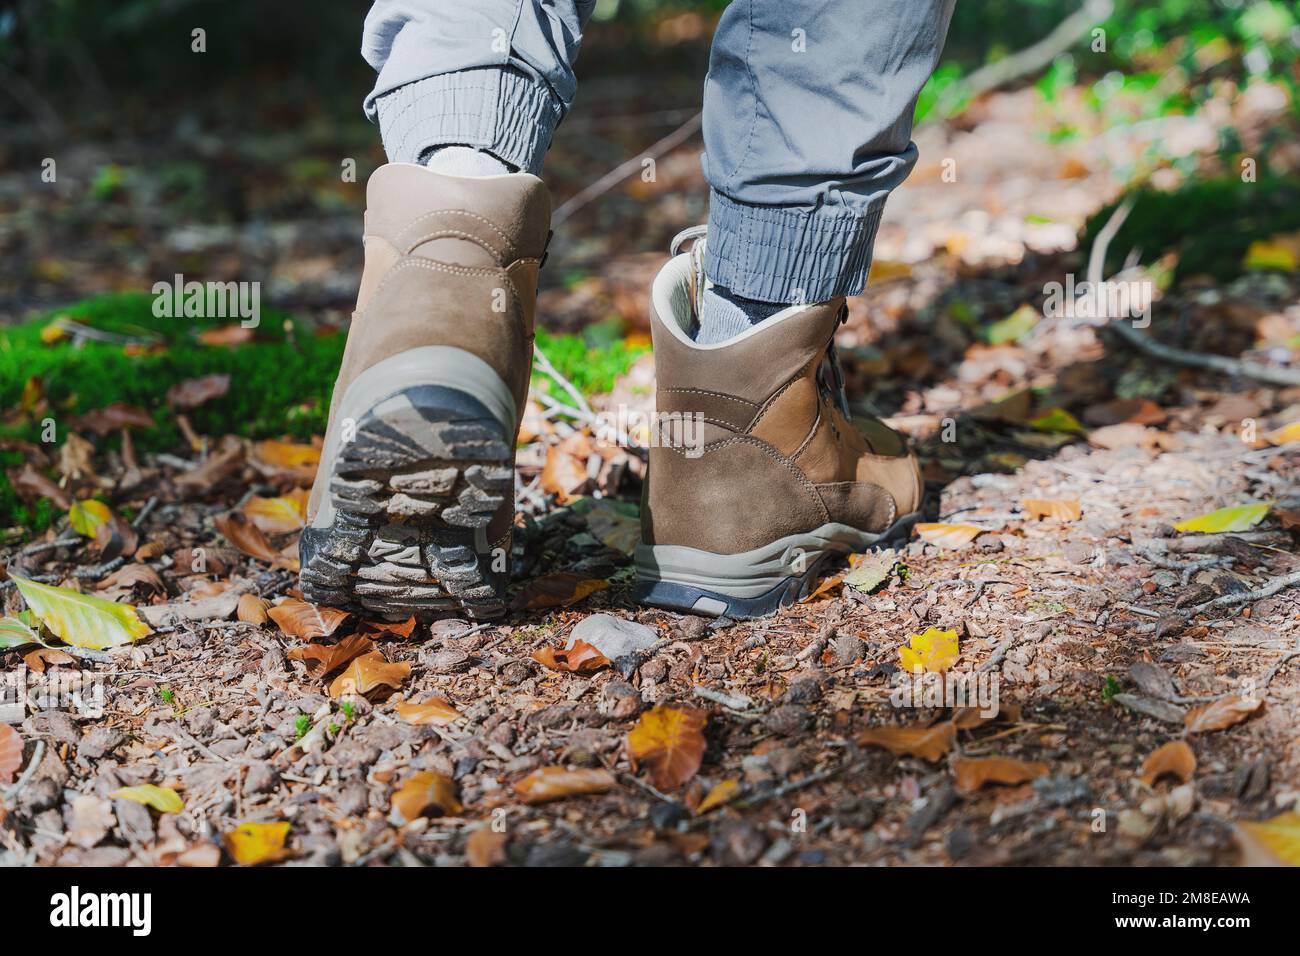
<point>226,165</point>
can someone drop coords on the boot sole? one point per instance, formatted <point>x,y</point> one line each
<point>753,583</point>
<point>411,495</point>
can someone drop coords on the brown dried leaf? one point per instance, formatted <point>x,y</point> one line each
<point>564,475</point>
<point>1218,714</point>
<point>299,619</point>
<point>325,659</point>
<point>37,659</point>
<point>11,754</point>
<point>32,485</point>
<point>555,783</point>
<point>193,392</point>
<point>248,538</point>
<point>928,743</point>
<point>1174,758</point>
<point>947,536</point>
<point>1058,508</point>
<point>278,515</point>
<point>435,712</point>
<point>113,417</point>
<point>226,335</point>
<point>425,791</point>
<point>973,773</point>
<point>216,468</point>
<point>486,847</point>
<point>369,673</point>
<point>382,629</point>
<point>581,658</point>
<point>252,609</point>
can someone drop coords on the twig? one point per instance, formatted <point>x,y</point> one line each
<point>742,704</point>
<point>12,793</point>
<point>550,371</point>
<point>1268,590</point>
<point>622,171</point>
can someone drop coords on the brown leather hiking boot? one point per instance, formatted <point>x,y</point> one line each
<point>739,522</point>
<point>413,504</point>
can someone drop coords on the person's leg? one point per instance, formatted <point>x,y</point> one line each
<point>807,128</point>
<point>495,76</point>
<point>413,502</point>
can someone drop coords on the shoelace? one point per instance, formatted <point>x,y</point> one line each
<point>697,236</point>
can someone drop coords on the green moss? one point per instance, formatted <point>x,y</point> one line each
<point>280,383</point>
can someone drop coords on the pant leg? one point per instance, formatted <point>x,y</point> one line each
<point>494,74</point>
<point>807,128</point>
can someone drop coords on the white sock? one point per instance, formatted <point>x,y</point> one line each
<point>466,161</point>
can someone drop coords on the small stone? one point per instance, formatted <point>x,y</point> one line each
<point>261,778</point>
<point>788,720</point>
<point>98,742</point>
<point>612,636</point>
<point>446,662</point>
<point>738,843</point>
<point>619,700</point>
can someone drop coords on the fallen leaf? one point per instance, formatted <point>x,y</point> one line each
<point>669,741</point>
<point>581,658</point>
<point>380,629</point>
<point>75,457</point>
<point>424,791</point>
<point>928,743</point>
<point>162,799</point>
<point>1280,253</point>
<point>722,793</point>
<point>193,392</point>
<point>934,651</point>
<point>558,590</point>
<point>1235,518</point>
<point>82,620</point>
<point>555,783</point>
<point>871,573</point>
<point>278,515</point>
<point>1140,411</point>
<point>253,843</point>
<point>369,672</point>
<point>226,335</point>
<point>287,458</point>
<point>1058,508</point>
<point>563,475</point>
<point>1285,435</point>
<point>825,587</point>
<point>1174,758</point>
<point>113,418</point>
<point>435,712</point>
<point>973,773</point>
<point>325,659</point>
<point>947,536</point>
<point>249,539</point>
<point>32,484</point>
<point>16,632</point>
<point>299,619</point>
<point>1219,714</point>
<point>968,718</point>
<point>11,754</point>
<point>486,847</point>
<point>252,609</point>
<point>37,659</point>
<point>1056,420</point>
<point>216,468</point>
<point>1278,839</point>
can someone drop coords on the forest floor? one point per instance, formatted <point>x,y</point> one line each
<point>1146,678</point>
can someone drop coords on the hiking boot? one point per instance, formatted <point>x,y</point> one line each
<point>739,521</point>
<point>413,505</point>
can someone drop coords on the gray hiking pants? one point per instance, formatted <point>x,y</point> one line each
<point>807,115</point>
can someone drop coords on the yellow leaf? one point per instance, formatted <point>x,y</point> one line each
<point>947,535</point>
<point>426,790</point>
<point>1279,253</point>
<point>670,742</point>
<point>86,516</point>
<point>1236,518</point>
<point>722,793</point>
<point>1056,420</point>
<point>80,619</point>
<point>278,515</point>
<point>162,799</point>
<point>53,333</point>
<point>253,843</point>
<point>1285,435</point>
<point>1280,837</point>
<point>933,651</point>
